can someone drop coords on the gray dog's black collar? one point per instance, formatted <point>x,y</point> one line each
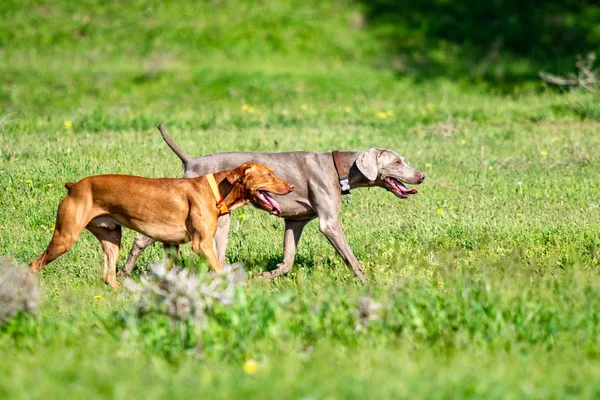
<point>341,171</point>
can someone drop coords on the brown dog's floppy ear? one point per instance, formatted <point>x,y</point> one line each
<point>367,163</point>
<point>237,174</point>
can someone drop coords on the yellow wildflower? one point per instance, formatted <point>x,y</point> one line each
<point>544,153</point>
<point>49,185</point>
<point>490,168</point>
<point>303,107</point>
<point>554,139</point>
<point>245,107</point>
<point>424,111</point>
<point>250,367</point>
<point>243,216</point>
<point>68,124</point>
<point>463,142</point>
<point>439,283</point>
<point>428,165</point>
<point>451,207</point>
<point>29,181</point>
<point>382,115</point>
<point>348,109</point>
<point>440,211</point>
<point>52,229</point>
<point>97,297</point>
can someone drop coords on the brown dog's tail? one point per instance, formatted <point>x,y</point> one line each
<point>183,156</point>
<point>69,185</point>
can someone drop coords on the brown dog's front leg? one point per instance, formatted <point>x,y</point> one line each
<point>222,237</point>
<point>202,231</point>
<point>204,248</point>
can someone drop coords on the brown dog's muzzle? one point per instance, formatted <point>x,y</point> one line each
<point>263,198</point>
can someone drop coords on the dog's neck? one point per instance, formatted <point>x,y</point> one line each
<point>355,177</point>
<point>234,195</point>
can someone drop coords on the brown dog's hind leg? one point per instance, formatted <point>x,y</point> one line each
<point>110,240</point>
<point>71,219</point>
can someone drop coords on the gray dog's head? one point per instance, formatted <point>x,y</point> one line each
<point>387,169</point>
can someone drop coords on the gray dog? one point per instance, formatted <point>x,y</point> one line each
<point>317,193</point>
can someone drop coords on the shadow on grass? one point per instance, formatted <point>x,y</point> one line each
<point>265,264</point>
<point>196,264</point>
<point>505,43</point>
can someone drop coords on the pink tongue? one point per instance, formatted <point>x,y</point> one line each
<point>273,203</point>
<point>406,190</point>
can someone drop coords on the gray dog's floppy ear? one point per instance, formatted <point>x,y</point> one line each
<point>367,164</point>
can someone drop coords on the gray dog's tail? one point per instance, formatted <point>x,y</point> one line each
<point>185,157</point>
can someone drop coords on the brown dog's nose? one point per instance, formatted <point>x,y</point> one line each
<point>290,186</point>
<point>422,178</point>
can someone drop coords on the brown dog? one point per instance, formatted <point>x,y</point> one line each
<point>169,210</point>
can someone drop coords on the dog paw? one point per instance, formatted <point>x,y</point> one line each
<point>123,274</point>
<point>281,269</point>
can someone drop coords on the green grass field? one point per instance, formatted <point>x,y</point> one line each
<point>488,278</point>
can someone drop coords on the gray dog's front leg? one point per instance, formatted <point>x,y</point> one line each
<point>293,231</point>
<point>139,244</point>
<point>222,237</point>
<point>333,232</point>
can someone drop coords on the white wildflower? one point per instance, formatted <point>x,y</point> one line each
<point>19,290</point>
<point>368,310</point>
<point>182,295</point>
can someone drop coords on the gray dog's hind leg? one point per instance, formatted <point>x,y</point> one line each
<point>293,231</point>
<point>139,244</point>
<point>221,237</point>
<point>333,232</point>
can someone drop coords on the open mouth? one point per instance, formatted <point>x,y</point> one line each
<point>398,188</point>
<point>267,202</point>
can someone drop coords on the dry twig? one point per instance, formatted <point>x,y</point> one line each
<point>586,78</point>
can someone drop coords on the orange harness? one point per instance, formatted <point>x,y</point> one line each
<point>215,189</point>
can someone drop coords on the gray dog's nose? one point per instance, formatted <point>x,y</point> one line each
<point>422,178</point>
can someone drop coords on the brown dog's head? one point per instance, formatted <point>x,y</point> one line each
<point>387,169</point>
<point>258,181</point>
